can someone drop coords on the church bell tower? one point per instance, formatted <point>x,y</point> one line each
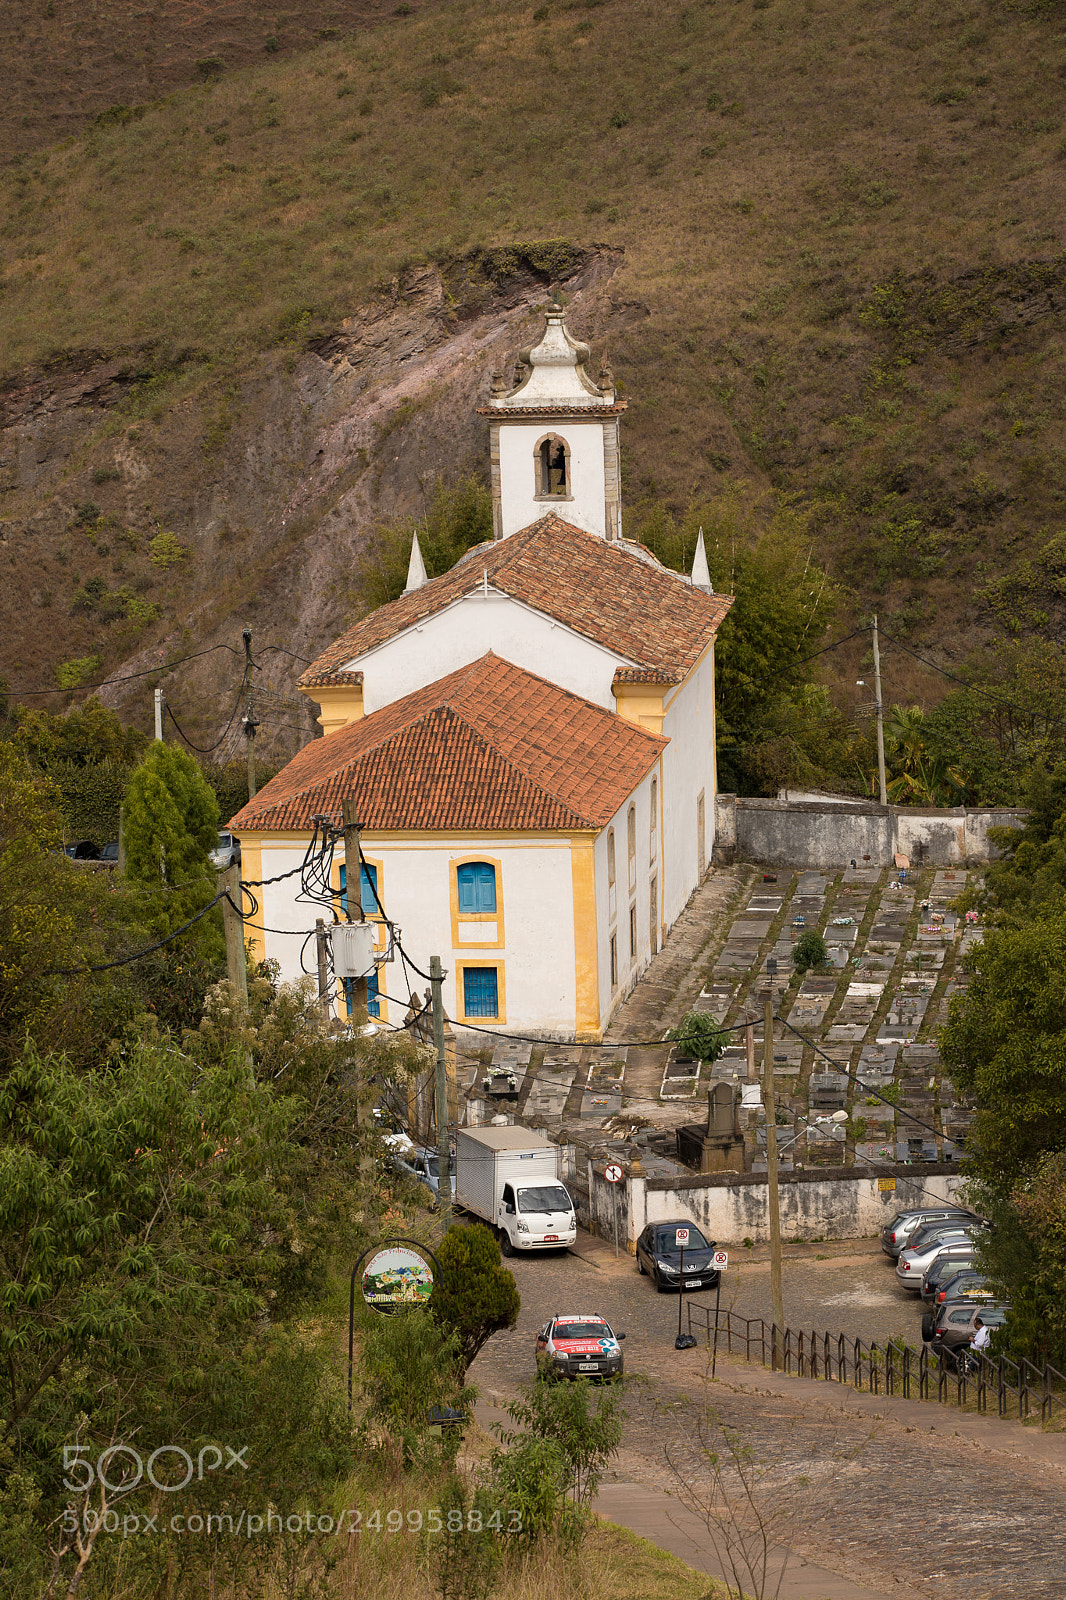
<point>553,439</point>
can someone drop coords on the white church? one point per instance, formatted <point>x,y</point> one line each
<point>529,739</point>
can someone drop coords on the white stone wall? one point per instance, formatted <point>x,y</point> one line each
<point>629,969</point>
<point>813,1206</point>
<point>688,767</point>
<point>534,903</point>
<point>518,478</point>
<point>474,625</point>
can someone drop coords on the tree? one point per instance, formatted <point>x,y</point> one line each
<point>809,951</point>
<point>171,826</point>
<point>1005,1048</point>
<point>410,1364</point>
<point>699,1037</point>
<point>474,1295</point>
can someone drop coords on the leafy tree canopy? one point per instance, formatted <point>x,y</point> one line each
<point>457,517</point>
<point>86,736</point>
<point>474,1295</point>
<point>171,824</point>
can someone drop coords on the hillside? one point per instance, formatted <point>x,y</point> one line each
<point>821,243</point>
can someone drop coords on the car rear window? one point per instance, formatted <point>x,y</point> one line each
<point>961,1316</point>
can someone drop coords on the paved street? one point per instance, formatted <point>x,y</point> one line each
<point>903,1498</point>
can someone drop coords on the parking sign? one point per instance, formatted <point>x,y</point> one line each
<point>682,1238</point>
<point>721,1259</point>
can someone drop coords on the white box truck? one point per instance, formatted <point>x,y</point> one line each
<point>509,1177</point>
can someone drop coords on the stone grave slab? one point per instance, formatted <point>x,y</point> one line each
<point>880,1112</point>
<point>599,1104</point>
<point>811,883</point>
<point>847,1032</point>
<point>828,1091</point>
<point>749,930</point>
<point>784,1164</point>
<point>550,1090</point>
<point>512,1053</point>
<point>767,905</point>
<point>877,1150</point>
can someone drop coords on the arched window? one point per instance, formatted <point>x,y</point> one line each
<point>477,887</point>
<point>553,468</point>
<point>631,829</point>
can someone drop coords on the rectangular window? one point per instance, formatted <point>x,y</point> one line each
<point>480,993</point>
<point>632,933</point>
<point>373,1003</point>
<point>614,961</point>
<point>368,882</point>
<point>477,888</point>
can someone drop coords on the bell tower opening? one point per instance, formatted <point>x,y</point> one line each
<point>553,469</point>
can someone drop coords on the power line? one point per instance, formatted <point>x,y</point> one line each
<point>127,677</point>
<point>200,750</point>
<point>125,961</point>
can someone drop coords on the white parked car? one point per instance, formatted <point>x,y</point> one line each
<point>227,853</point>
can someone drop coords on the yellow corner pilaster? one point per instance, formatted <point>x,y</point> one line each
<point>339,704</point>
<point>587,1025</point>
<point>252,869</point>
<point>641,703</point>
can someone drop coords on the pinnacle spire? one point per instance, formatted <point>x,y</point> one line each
<point>701,576</point>
<point>416,568</point>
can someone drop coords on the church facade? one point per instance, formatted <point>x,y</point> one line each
<point>529,739</point>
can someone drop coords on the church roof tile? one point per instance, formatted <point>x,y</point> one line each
<point>612,592</point>
<point>490,746</point>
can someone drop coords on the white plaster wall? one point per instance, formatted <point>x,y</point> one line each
<point>534,891</point>
<point>688,767</point>
<point>466,631</point>
<point>844,1207</point>
<point>518,479</point>
<point>628,970</point>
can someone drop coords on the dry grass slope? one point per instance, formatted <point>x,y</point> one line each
<point>844,223</point>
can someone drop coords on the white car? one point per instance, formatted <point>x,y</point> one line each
<point>227,853</point>
<point>580,1347</point>
<point>914,1262</point>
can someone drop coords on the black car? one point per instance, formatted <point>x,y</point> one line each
<point>110,851</point>
<point>81,850</point>
<point>659,1254</point>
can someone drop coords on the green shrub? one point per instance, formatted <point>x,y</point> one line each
<point>166,550</point>
<point>410,1364</point>
<point>699,1036</point>
<point>474,1295</point>
<point>809,951</point>
<point>72,674</point>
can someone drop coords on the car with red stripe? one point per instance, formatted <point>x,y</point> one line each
<point>584,1346</point>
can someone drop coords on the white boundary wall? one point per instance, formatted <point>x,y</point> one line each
<point>831,832</point>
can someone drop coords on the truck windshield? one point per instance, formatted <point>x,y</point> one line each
<point>550,1197</point>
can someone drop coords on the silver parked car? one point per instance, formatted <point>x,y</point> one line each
<point>898,1232</point>
<point>915,1260</point>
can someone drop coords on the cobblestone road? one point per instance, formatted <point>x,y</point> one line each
<point>962,1511</point>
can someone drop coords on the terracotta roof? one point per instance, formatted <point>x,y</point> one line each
<point>488,746</point>
<point>331,679</point>
<point>641,675</point>
<point>614,593</point>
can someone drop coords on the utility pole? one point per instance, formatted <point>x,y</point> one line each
<point>159,703</point>
<point>233,924</point>
<point>444,1154</point>
<point>323,974</point>
<point>776,1294</point>
<point>353,881</point>
<point>250,723</point>
<point>880,710</point>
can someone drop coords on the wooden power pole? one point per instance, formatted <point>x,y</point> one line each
<point>323,970</point>
<point>776,1293</point>
<point>233,924</point>
<point>353,882</point>
<point>444,1153</point>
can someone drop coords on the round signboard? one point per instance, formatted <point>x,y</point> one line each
<point>613,1173</point>
<point>397,1277</point>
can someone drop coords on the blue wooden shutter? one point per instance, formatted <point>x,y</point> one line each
<point>480,996</point>
<point>477,888</point>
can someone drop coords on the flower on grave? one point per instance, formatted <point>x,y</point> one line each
<point>486,1083</point>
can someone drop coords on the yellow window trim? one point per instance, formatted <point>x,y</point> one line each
<point>458,917</point>
<point>380,930</point>
<point>460,989</point>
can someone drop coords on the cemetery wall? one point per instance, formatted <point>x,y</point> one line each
<point>828,833</point>
<point>731,1207</point>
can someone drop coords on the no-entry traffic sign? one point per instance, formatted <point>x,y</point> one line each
<point>613,1173</point>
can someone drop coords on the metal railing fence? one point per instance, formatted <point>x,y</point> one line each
<point>1019,1388</point>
